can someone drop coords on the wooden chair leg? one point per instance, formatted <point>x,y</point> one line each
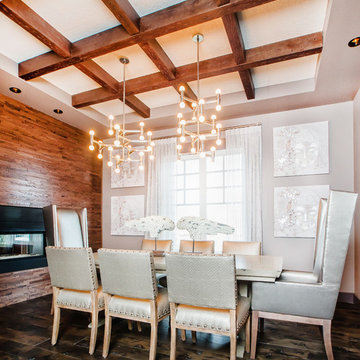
<point>52,307</point>
<point>193,336</point>
<point>173,332</point>
<point>107,329</point>
<point>130,325</point>
<point>139,326</point>
<point>327,339</point>
<point>56,321</point>
<point>254,331</point>
<point>233,334</point>
<point>247,334</point>
<point>154,330</point>
<point>94,321</point>
<point>183,335</point>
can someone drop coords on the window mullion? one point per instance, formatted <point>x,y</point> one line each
<point>202,170</point>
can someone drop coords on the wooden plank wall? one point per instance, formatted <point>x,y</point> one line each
<point>45,161</point>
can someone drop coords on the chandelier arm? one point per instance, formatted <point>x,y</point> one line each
<point>123,103</point>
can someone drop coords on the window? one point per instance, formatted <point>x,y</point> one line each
<point>209,189</point>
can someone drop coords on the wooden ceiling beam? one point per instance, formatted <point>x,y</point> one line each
<point>262,55</point>
<point>233,32</point>
<point>221,2</point>
<point>29,20</point>
<point>125,13</point>
<point>168,20</point>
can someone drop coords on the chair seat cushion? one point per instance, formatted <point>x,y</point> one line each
<point>139,308</point>
<point>78,299</point>
<point>210,318</point>
<point>298,277</point>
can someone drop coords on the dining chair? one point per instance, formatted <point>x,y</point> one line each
<point>241,247</point>
<point>66,227</point>
<point>161,245</point>
<point>203,297</point>
<point>311,298</point>
<point>204,247</point>
<point>131,292</point>
<point>75,286</point>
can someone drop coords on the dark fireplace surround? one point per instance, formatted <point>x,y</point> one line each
<point>21,223</point>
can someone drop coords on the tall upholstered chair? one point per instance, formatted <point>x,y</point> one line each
<point>203,297</point>
<point>311,298</point>
<point>162,245</point>
<point>66,227</point>
<point>75,286</point>
<point>241,247</point>
<point>205,247</point>
<point>131,292</point>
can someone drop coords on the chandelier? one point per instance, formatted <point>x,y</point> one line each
<point>122,147</point>
<point>199,119</point>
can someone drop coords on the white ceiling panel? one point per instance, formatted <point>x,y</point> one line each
<point>112,107</point>
<point>161,97</point>
<point>146,7</point>
<point>286,71</point>
<point>280,20</point>
<point>227,83</point>
<point>139,65</point>
<point>16,43</point>
<point>71,80</point>
<point>75,19</point>
<point>181,49</point>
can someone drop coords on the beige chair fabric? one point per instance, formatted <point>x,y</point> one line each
<point>66,227</point>
<point>75,286</point>
<point>241,247</point>
<point>203,297</point>
<point>161,245</point>
<point>131,292</point>
<point>205,247</point>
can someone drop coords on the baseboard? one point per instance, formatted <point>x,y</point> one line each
<point>348,298</point>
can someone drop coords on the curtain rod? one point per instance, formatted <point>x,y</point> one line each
<point>224,129</point>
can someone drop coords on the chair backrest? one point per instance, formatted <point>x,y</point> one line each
<point>66,227</point>
<point>72,268</point>
<point>128,273</point>
<point>205,247</point>
<point>320,239</point>
<point>163,245</point>
<point>201,280</point>
<point>340,214</point>
<point>241,247</point>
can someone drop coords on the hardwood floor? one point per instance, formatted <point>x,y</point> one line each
<point>26,329</point>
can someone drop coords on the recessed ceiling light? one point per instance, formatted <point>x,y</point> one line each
<point>58,111</point>
<point>15,90</point>
<point>354,42</point>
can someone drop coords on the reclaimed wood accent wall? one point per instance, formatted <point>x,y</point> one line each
<point>45,161</point>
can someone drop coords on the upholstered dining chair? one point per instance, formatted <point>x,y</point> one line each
<point>204,247</point>
<point>203,297</point>
<point>241,247</point>
<point>75,286</point>
<point>162,245</point>
<point>66,227</point>
<point>311,298</point>
<point>131,292</point>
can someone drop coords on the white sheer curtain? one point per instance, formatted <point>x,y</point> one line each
<point>243,162</point>
<point>161,182</point>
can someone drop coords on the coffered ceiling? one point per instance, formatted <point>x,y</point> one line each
<point>265,55</point>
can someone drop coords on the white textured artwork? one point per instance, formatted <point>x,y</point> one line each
<point>301,149</point>
<point>296,209</point>
<point>129,175</point>
<point>124,208</point>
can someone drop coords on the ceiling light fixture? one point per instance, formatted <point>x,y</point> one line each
<point>354,42</point>
<point>58,111</point>
<point>15,90</point>
<point>122,145</point>
<point>199,118</point>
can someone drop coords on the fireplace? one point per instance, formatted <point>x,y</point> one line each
<point>22,238</point>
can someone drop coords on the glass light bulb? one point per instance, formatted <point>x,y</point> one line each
<point>111,117</point>
<point>202,154</point>
<point>152,143</point>
<point>182,88</point>
<point>201,101</point>
<point>218,126</point>
<point>92,132</point>
<point>117,127</point>
<point>100,156</point>
<point>118,156</point>
<point>111,132</point>
<point>141,167</point>
<point>213,117</point>
<point>141,137</point>
<point>182,122</point>
<point>141,153</point>
<point>117,142</point>
<point>91,147</point>
<point>182,139</point>
<point>142,124</point>
<point>149,148</point>
<point>218,91</point>
<point>182,104</point>
<point>179,115</point>
<point>213,148</point>
<point>218,142</point>
<point>178,146</point>
<point>194,104</point>
<point>149,133</point>
<point>202,137</point>
<point>194,118</point>
<point>193,150</point>
<point>117,170</point>
<point>151,157</point>
<point>110,163</point>
<point>110,148</point>
<point>178,130</point>
<point>201,118</point>
<point>213,132</point>
<point>218,107</point>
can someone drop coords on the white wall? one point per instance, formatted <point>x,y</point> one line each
<point>297,253</point>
